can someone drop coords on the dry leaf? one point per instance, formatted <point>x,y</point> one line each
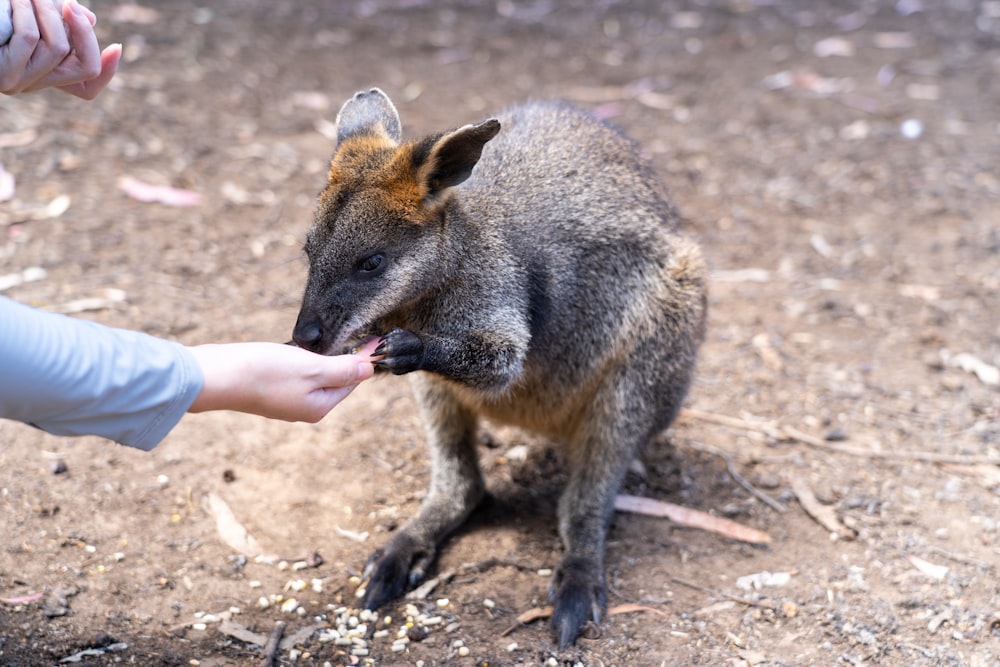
<point>14,139</point>
<point>237,631</point>
<point>23,599</point>
<point>30,274</point>
<point>894,40</point>
<point>691,518</point>
<point>987,373</point>
<point>6,184</point>
<point>933,571</point>
<point>133,13</point>
<point>230,529</point>
<point>108,298</point>
<point>833,46</point>
<point>147,192</point>
<point>353,535</point>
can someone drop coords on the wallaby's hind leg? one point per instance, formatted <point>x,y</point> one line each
<point>456,489</point>
<point>598,462</point>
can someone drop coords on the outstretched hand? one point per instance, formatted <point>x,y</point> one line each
<point>54,46</point>
<point>277,381</point>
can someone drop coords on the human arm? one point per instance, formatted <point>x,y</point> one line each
<point>277,381</point>
<point>45,52</point>
<point>73,377</point>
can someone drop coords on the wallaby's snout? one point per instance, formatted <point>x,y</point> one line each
<point>308,333</point>
<point>323,330</point>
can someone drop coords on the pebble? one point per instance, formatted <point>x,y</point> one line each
<point>911,128</point>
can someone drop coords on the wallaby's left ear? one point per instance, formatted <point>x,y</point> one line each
<point>451,157</point>
<point>369,112</point>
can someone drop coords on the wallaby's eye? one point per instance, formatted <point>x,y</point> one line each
<point>372,264</point>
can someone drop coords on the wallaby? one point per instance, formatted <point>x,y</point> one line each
<point>530,266</point>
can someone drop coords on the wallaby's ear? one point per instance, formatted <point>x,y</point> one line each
<point>451,157</point>
<point>369,113</point>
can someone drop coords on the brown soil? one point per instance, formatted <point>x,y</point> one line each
<point>851,265</point>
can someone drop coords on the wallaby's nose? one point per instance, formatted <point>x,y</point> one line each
<point>307,334</point>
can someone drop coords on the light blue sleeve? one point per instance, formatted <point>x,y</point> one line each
<point>73,377</point>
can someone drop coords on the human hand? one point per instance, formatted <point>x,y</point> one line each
<point>45,52</point>
<point>277,381</point>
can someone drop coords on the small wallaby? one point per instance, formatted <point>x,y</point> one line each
<point>530,267</point>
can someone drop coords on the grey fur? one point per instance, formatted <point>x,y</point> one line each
<point>538,279</point>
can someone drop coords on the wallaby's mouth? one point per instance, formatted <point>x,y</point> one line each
<point>355,342</point>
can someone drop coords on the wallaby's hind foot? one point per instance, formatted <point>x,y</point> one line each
<point>578,596</point>
<point>394,569</point>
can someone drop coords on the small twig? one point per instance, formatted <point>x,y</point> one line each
<point>820,513</point>
<point>273,645</point>
<point>958,558</point>
<point>490,563</point>
<point>537,613</point>
<point>734,598</point>
<point>790,433</point>
<point>739,479</point>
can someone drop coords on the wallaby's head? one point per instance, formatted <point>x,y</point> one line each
<point>379,240</point>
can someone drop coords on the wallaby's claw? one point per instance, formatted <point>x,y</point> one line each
<point>578,596</point>
<point>402,351</point>
<point>392,570</point>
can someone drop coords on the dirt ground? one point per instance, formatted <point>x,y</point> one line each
<point>836,160</point>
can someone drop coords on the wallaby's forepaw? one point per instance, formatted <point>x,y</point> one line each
<point>402,351</point>
<point>394,569</point>
<point>578,596</point>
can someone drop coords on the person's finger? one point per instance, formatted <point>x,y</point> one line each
<point>52,49</point>
<point>91,16</point>
<point>83,63</point>
<point>344,370</point>
<point>84,42</point>
<point>15,55</point>
<point>88,90</point>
